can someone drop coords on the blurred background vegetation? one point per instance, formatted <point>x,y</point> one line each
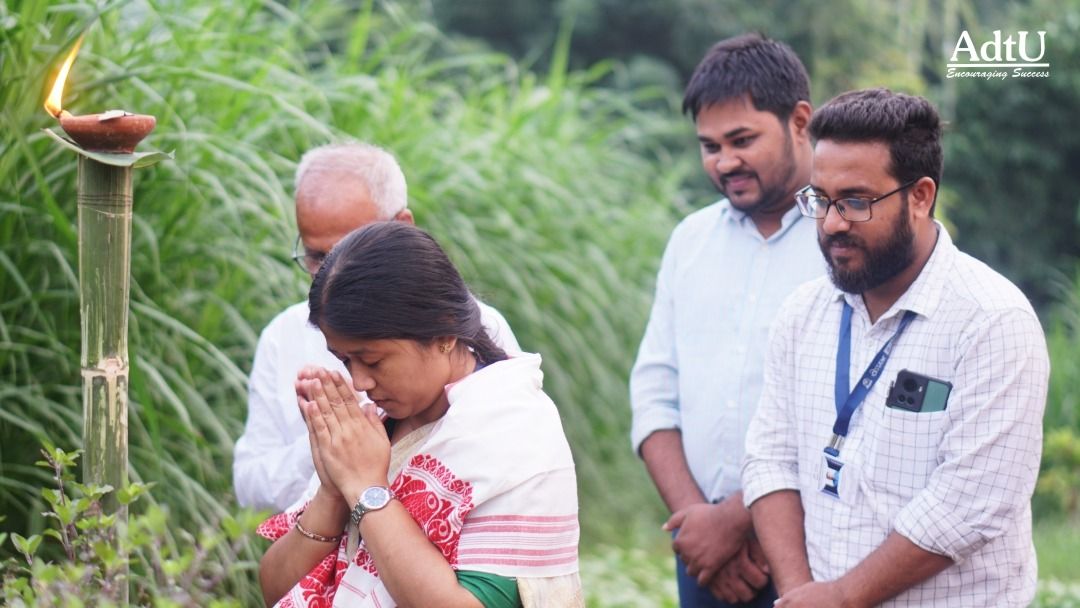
<point>544,148</point>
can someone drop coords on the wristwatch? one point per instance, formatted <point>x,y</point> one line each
<point>371,499</point>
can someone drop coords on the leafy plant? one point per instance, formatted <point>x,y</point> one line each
<point>105,553</point>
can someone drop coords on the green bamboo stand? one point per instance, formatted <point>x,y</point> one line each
<point>105,212</point>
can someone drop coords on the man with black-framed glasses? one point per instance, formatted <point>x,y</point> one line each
<point>338,188</point>
<point>812,204</point>
<point>896,447</point>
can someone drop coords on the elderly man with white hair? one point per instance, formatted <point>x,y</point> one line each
<point>338,188</point>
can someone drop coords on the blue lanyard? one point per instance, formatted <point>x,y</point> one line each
<point>847,403</point>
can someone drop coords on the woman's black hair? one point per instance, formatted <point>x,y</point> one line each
<point>391,280</point>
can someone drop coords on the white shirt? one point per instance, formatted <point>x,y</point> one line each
<point>272,459</point>
<point>956,482</point>
<point>699,365</point>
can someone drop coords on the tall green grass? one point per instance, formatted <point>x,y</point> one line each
<point>1057,495</point>
<point>1063,342</point>
<point>550,194</point>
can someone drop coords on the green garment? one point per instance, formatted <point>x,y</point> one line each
<point>492,590</point>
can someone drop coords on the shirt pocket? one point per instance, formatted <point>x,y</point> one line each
<point>903,451</point>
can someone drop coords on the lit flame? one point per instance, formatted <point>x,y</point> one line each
<point>53,103</point>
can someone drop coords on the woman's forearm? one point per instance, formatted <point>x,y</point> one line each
<point>294,555</point>
<point>412,568</point>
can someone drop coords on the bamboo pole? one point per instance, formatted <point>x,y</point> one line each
<point>105,211</point>
<point>105,202</point>
<point>105,206</point>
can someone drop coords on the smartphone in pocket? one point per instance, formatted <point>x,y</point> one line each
<point>918,393</point>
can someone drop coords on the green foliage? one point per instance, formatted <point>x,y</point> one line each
<point>1063,342</point>
<point>1057,541</point>
<point>845,44</point>
<point>1058,489</point>
<point>106,554</point>
<point>625,577</point>
<point>1056,594</point>
<point>629,577</point>
<point>194,281</point>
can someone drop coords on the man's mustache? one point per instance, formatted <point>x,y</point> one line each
<point>736,174</point>
<point>841,240</point>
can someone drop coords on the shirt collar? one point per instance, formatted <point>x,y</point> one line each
<point>924,295</point>
<point>741,219</point>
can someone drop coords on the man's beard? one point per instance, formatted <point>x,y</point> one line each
<point>880,263</point>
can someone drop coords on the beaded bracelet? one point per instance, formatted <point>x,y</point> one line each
<point>316,537</point>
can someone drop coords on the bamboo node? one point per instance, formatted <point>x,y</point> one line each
<point>110,367</point>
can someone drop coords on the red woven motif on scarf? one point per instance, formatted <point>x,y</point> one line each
<point>316,587</point>
<point>278,525</point>
<point>363,559</point>
<point>437,500</point>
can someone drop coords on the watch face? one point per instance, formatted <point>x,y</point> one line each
<point>375,497</point>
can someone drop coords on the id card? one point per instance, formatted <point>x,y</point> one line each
<point>831,474</point>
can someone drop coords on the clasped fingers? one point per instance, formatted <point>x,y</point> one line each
<point>343,387</point>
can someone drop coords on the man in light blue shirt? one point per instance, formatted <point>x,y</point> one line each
<point>698,375</point>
